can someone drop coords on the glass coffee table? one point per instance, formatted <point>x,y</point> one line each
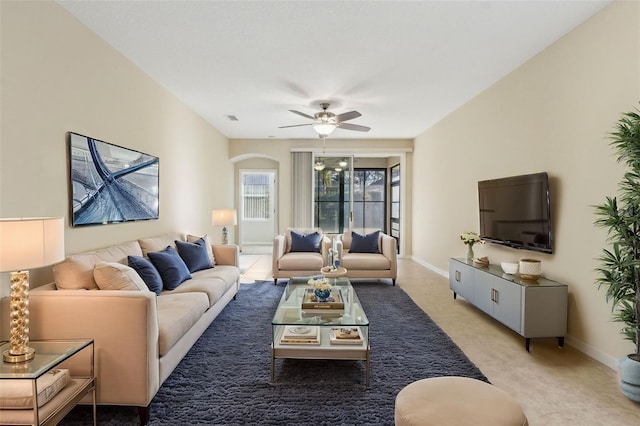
<point>304,328</point>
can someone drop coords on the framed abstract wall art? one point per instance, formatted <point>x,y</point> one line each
<point>111,184</point>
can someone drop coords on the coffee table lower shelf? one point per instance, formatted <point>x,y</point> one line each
<point>324,350</point>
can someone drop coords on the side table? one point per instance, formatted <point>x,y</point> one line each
<point>49,355</point>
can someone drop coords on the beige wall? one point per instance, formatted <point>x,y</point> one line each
<point>552,114</point>
<point>58,76</point>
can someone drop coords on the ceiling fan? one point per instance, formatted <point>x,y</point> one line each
<point>325,122</point>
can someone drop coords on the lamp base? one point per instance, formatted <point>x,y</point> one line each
<point>225,235</point>
<point>9,357</point>
<point>19,350</point>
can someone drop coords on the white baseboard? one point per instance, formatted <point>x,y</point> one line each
<point>579,345</point>
<point>430,266</point>
<point>592,352</point>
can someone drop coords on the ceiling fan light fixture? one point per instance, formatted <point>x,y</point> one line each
<point>324,128</point>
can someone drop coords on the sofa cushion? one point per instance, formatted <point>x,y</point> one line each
<point>194,254</point>
<point>287,235</point>
<point>159,243</point>
<point>171,267</point>
<point>365,261</point>
<point>177,313</point>
<point>300,261</point>
<point>76,271</point>
<point>116,276</point>
<point>207,242</point>
<point>365,243</point>
<point>345,237</point>
<point>214,282</point>
<point>305,242</point>
<point>147,272</point>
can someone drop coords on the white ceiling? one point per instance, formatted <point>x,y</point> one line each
<point>403,64</point>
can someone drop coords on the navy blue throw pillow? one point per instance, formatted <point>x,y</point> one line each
<point>171,267</point>
<point>364,243</point>
<point>147,272</point>
<point>194,254</point>
<point>305,242</point>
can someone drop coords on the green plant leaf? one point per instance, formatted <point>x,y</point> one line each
<point>619,270</point>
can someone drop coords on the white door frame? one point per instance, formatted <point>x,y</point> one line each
<point>243,227</point>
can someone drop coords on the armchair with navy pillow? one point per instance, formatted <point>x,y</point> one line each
<point>368,253</point>
<point>299,252</point>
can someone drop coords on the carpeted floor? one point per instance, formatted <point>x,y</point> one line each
<point>225,378</point>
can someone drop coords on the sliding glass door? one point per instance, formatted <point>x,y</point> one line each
<point>332,190</point>
<point>342,194</point>
<point>369,198</point>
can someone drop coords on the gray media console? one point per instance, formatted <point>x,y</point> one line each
<point>530,308</point>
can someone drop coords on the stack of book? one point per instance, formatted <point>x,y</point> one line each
<point>334,306</point>
<point>345,336</point>
<point>300,335</point>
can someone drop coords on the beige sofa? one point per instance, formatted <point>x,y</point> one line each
<point>140,337</point>
<point>287,263</point>
<point>369,265</point>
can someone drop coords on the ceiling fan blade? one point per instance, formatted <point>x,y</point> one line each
<point>347,116</point>
<point>295,125</point>
<point>356,127</point>
<point>302,114</point>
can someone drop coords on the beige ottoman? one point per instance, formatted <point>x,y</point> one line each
<point>455,401</point>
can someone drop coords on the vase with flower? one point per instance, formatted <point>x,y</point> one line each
<point>321,289</point>
<point>469,239</point>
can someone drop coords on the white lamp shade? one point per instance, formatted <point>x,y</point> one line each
<point>324,128</point>
<point>224,217</point>
<point>28,243</point>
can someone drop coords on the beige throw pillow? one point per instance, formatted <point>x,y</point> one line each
<point>116,276</point>
<point>76,271</point>
<point>159,243</point>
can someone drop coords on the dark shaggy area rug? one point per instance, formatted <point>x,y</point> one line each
<point>225,378</point>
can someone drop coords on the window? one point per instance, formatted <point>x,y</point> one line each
<point>256,196</point>
<point>395,203</point>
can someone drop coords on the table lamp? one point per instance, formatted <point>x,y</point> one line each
<point>26,243</point>
<point>224,218</point>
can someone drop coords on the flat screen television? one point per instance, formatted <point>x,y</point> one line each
<point>516,212</point>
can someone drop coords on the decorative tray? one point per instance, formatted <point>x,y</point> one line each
<point>329,273</point>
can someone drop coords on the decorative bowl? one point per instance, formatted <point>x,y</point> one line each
<point>509,268</point>
<point>333,273</point>
<point>530,269</point>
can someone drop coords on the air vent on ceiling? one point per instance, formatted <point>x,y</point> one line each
<point>232,118</point>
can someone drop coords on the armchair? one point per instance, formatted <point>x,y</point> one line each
<point>287,263</point>
<point>383,264</point>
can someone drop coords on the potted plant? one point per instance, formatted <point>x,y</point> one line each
<point>619,270</point>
